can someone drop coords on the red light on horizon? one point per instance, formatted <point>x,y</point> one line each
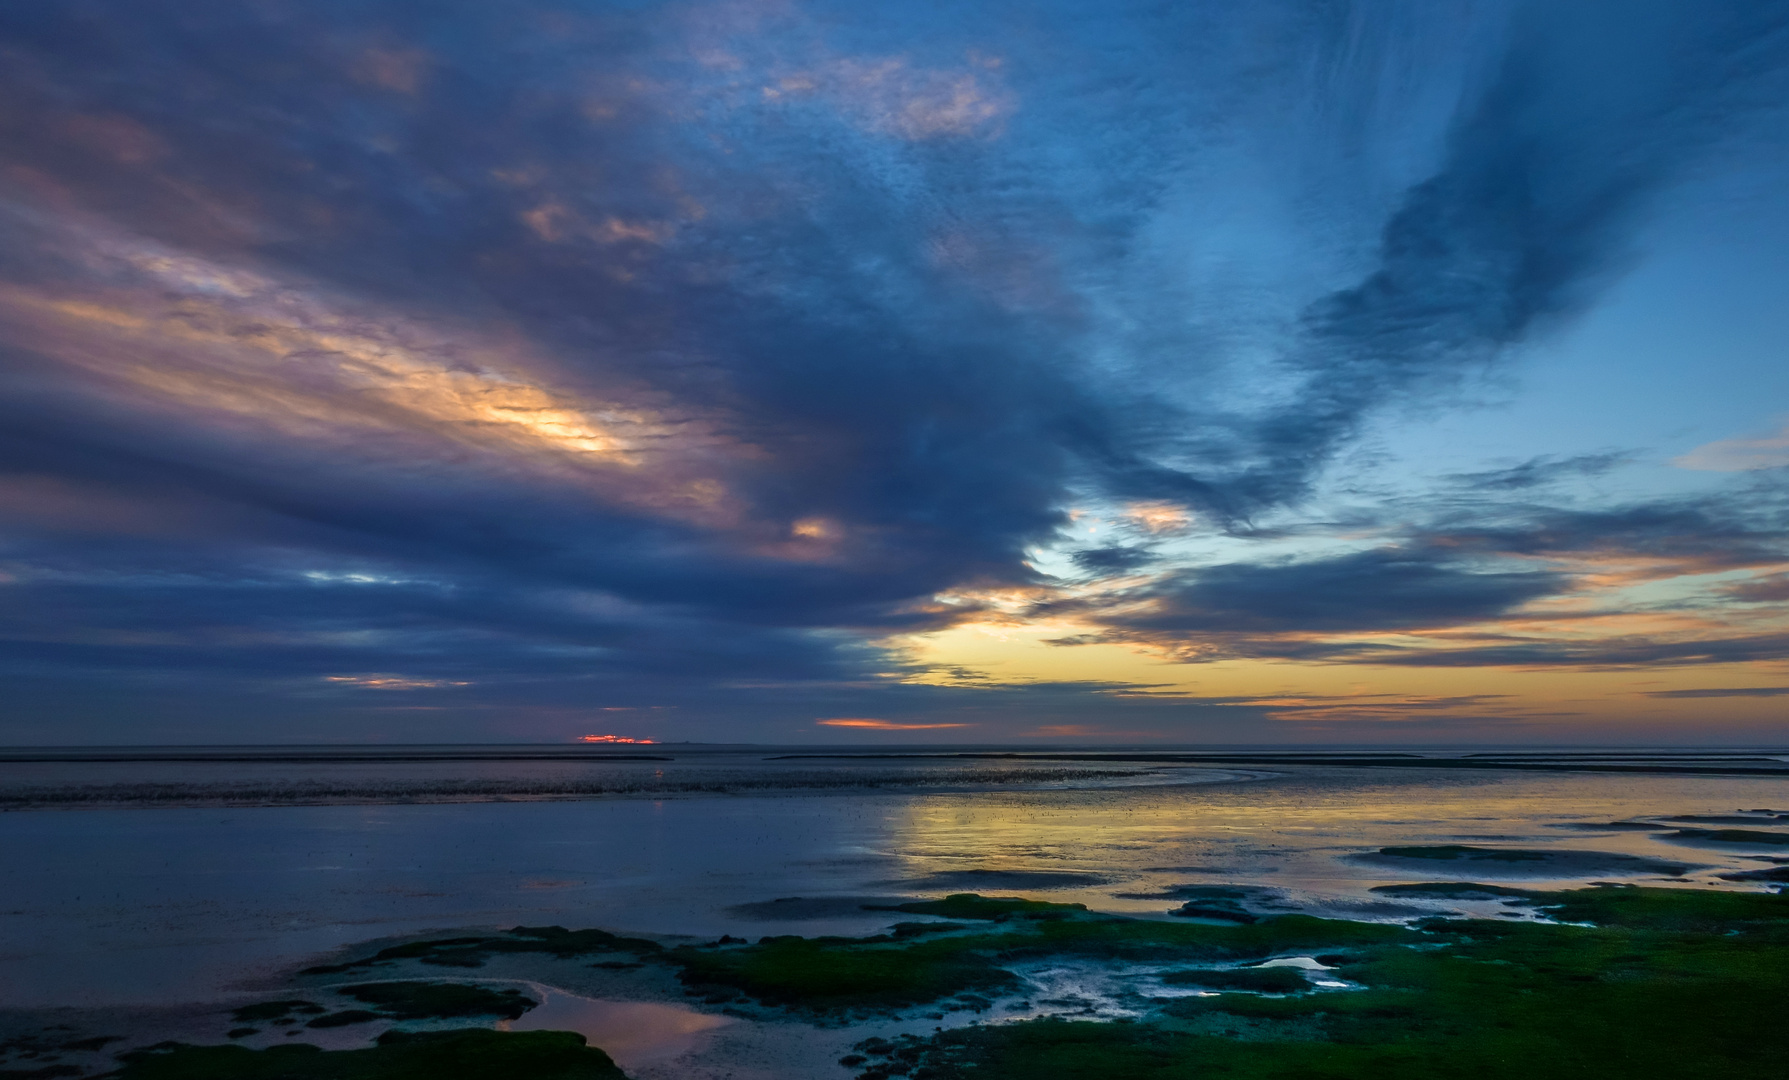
<point>615,739</point>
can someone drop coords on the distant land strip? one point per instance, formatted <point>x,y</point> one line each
<point>1387,761</point>
<point>64,756</point>
<point>402,791</point>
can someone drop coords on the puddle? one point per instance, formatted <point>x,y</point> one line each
<point>1313,971</point>
<point>634,1033</point>
<point>1079,990</point>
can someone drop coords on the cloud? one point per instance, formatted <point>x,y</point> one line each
<point>1723,692</point>
<point>1763,590</point>
<point>1465,578</point>
<point>1539,472</point>
<point>1112,559</point>
<point>882,725</point>
<point>1405,709</point>
<point>1606,653</point>
<point>1738,455</point>
<point>392,682</point>
<point>1392,588</point>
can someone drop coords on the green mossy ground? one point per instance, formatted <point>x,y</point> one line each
<point>468,1054</point>
<point>864,974</point>
<point>1731,836</point>
<point>1628,982</point>
<point>990,908</point>
<point>421,1000</point>
<point>830,974</point>
<point>1269,980</point>
<point>393,1001</point>
<point>472,952</point>
<point>1450,852</point>
<point>1667,983</point>
<point>265,1011</point>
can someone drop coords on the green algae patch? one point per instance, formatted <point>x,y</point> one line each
<point>468,1054</point>
<point>345,1018</point>
<point>1762,917</point>
<point>266,1011</point>
<point>1260,980</point>
<point>1518,862</point>
<point>1146,940</point>
<point>1730,836</point>
<point>1667,982</point>
<point>1769,873</point>
<point>891,971</point>
<point>825,974</point>
<point>914,964</point>
<point>1450,852</point>
<point>989,908</point>
<point>436,1001</point>
<point>473,952</point>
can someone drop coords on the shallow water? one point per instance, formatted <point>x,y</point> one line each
<point>155,904</point>
<point>635,1033</point>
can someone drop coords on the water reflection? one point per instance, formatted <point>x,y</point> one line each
<point>1308,835</point>
<point>634,1033</point>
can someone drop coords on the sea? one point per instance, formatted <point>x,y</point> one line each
<point>152,877</point>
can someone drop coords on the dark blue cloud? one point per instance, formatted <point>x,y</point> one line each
<point>1725,691</point>
<point>1113,559</point>
<point>1387,589</point>
<point>1539,472</point>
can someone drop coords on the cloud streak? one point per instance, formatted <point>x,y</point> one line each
<point>867,724</point>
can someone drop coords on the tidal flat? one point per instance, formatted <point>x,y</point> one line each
<point>1168,920</point>
<point>1608,981</point>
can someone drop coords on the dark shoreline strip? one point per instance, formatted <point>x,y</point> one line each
<point>288,757</point>
<point>1390,762</point>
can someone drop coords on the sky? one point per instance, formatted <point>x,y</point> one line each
<point>1297,371</point>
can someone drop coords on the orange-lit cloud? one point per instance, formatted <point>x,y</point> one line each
<point>1158,517</point>
<point>224,346</point>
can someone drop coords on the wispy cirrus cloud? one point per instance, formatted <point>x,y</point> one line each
<point>1738,455</point>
